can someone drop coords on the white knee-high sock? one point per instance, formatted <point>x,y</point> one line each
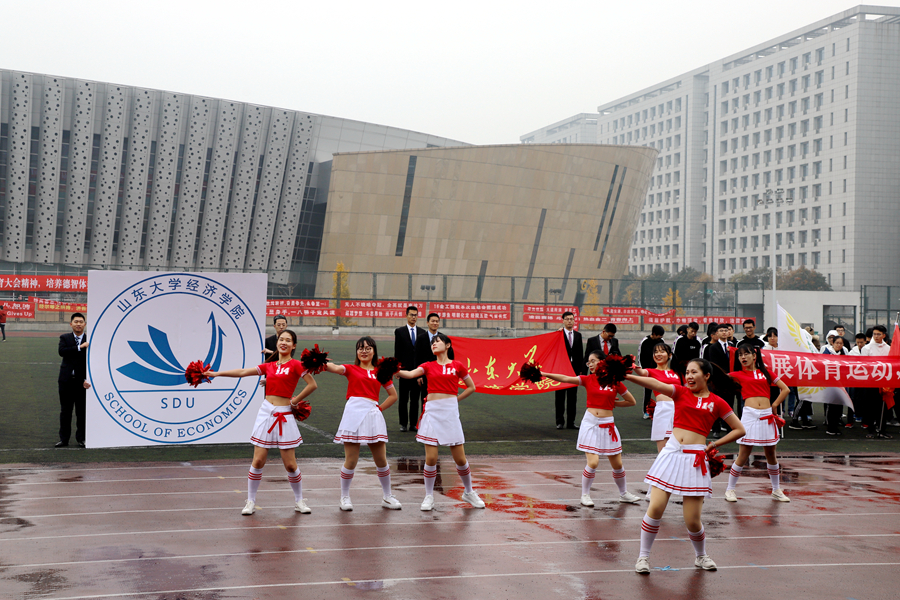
<point>430,474</point>
<point>346,480</point>
<point>254,478</point>
<point>296,484</point>
<point>698,541</point>
<point>384,477</point>
<point>649,529</point>
<point>619,478</point>
<point>465,473</point>
<point>733,475</point>
<point>774,475</point>
<point>587,478</point>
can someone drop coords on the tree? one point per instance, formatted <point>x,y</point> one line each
<point>758,276</point>
<point>803,279</point>
<point>340,291</point>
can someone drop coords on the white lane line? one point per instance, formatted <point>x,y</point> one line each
<point>492,521</point>
<point>309,427</point>
<point>301,584</point>
<point>319,550</point>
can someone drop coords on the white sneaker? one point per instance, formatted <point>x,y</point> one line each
<point>302,507</point>
<point>345,503</point>
<point>629,498</point>
<point>643,565</point>
<point>705,563</point>
<point>780,496</point>
<point>391,502</point>
<point>586,500</point>
<point>730,496</point>
<point>427,503</point>
<point>249,508</point>
<point>473,499</point>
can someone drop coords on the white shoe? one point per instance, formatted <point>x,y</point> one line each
<point>345,503</point>
<point>249,508</point>
<point>780,496</point>
<point>730,496</point>
<point>302,507</point>
<point>643,565</point>
<point>473,499</point>
<point>427,503</point>
<point>629,498</point>
<point>391,502</point>
<point>586,500</point>
<point>705,563</point>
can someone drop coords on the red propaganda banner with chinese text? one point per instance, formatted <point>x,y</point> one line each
<point>297,303</point>
<point>47,305</point>
<point>384,304</point>
<point>618,320</point>
<point>43,283</point>
<point>19,310</point>
<point>300,311</point>
<point>467,306</point>
<point>706,320</point>
<point>494,365</point>
<point>830,370</point>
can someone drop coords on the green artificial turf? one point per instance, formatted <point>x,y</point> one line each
<point>494,425</point>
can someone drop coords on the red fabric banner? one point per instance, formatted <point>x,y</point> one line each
<point>400,305</point>
<point>47,305</point>
<point>297,303</point>
<point>19,310</point>
<point>43,283</point>
<point>830,370</point>
<point>556,311</point>
<point>466,306</point>
<point>494,365</point>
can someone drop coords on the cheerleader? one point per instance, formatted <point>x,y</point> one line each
<point>439,424</point>
<point>758,419</point>
<point>681,467</point>
<point>664,412</point>
<point>362,422</point>
<point>598,433</point>
<point>275,426</point>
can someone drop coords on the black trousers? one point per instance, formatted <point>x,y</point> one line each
<point>71,397</point>
<point>833,414</point>
<point>871,408</point>
<point>565,406</point>
<point>408,403</point>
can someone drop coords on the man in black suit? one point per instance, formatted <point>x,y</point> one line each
<point>566,399</point>
<point>405,340</point>
<point>716,352</point>
<point>606,343</point>
<point>72,380</point>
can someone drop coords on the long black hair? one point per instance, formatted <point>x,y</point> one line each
<point>274,356</point>
<point>668,350</point>
<point>367,341</point>
<point>719,382</point>
<point>755,351</point>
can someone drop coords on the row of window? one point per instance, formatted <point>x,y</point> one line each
<point>780,69</point>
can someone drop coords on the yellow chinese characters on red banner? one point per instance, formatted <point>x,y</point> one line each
<point>494,365</point>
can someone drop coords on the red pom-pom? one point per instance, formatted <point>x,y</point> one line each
<point>387,368</point>
<point>613,369</point>
<point>301,410</point>
<point>651,408</point>
<point>194,373</point>
<point>314,360</point>
<point>530,372</point>
<point>716,462</point>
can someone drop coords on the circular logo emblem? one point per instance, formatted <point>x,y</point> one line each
<point>146,337</point>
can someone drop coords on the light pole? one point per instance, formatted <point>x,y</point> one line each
<point>428,289</point>
<point>776,198</point>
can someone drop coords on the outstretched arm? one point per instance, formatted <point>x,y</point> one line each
<point>562,378</point>
<point>232,373</point>
<point>414,374</point>
<point>652,384</point>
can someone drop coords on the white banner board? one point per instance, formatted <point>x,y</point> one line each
<point>147,328</point>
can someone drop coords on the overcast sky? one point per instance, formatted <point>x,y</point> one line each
<point>483,72</point>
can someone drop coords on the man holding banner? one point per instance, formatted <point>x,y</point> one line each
<point>876,400</point>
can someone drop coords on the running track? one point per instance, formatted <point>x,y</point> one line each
<point>172,530</point>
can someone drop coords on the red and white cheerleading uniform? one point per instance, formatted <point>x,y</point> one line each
<point>275,426</point>
<point>664,414</point>
<point>362,421</point>
<point>439,424</point>
<point>683,469</point>
<point>598,435</point>
<point>759,423</point>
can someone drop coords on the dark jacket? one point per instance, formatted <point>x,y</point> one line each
<point>575,352</point>
<point>74,361</point>
<point>404,350</point>
<point>596,343</point>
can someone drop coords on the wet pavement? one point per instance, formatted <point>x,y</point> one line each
<point>174,530</point>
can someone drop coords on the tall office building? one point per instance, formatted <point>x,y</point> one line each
<point>788,152</point>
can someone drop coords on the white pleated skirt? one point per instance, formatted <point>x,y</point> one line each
<point>673,471</point>
<point>361,423</point>
<point>759,432</point>
<point>269,433</point>
<point>440,424</point>
<point>594,439</point>
<point>663,417</point>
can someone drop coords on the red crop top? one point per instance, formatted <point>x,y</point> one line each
<point>670,377</point>
<point>697,414</point>
<point>601,397</point>
<point>362,383</point>
<point>753,383</point>
<point>281,380</point>
<point>444,379</point>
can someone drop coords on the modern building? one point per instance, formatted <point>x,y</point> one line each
<point>580,129</point>
<point>786,153</point>
<point>105,176</point>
